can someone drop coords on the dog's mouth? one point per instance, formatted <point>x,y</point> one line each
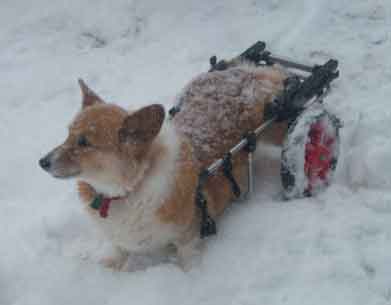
<point>60,175</point>
<point>63,173</point>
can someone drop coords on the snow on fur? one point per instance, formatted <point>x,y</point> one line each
<point>212,101</point>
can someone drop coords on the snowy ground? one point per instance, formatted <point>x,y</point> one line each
<point>333,249</point>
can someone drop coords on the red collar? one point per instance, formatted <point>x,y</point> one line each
<point>102,204</point>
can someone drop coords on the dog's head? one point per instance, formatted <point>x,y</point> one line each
<point>104,141</point>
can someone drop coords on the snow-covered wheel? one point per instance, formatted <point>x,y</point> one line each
<point>310,153</point>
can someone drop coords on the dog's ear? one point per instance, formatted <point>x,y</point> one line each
<point>142,126</point>
<point>89,97</point>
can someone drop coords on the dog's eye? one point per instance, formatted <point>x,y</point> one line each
<point>82,141</point>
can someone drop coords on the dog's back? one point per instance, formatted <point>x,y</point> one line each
<point>218,108</point>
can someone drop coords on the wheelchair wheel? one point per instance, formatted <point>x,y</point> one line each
<point>310,153</point>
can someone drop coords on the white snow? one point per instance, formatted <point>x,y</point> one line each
<point>332,249</point>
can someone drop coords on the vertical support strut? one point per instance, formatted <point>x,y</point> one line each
<point>250,176</point>
<point>251,146</point>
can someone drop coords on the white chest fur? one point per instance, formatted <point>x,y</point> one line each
<point>132,223</point>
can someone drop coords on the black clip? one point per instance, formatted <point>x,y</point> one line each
<point>251,138</point>
<point>255,53</point>
<point>227,170</point>
<point>217,65</point>
<point>208,225</point>
<point>173,111</point>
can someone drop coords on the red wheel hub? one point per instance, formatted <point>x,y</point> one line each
<point>319,155</point>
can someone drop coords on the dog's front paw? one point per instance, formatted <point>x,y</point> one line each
<point>112,262</point>
<point>117,261</point>
<point>142,261</point>
<point>86,192</point>
<point>190,254</point>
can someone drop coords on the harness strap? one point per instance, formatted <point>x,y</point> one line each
<point>227,170</point>
<point>208,225</point>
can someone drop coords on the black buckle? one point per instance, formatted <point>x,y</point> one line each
<point>251,138</point>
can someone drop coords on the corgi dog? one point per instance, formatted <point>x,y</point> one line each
<point>141,169</point>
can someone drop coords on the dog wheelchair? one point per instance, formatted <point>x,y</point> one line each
<point>311,146</point>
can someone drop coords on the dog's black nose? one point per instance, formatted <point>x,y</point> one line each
<point>45,163</point>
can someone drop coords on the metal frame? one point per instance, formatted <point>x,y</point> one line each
<point>316,89</point>
<point>287,63</point>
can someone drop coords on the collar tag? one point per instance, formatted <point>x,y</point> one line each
<point>97,202</point>
<point>102,204</point>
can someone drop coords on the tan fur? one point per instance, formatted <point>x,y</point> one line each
<point>86,192</point>
<point>179,207</point>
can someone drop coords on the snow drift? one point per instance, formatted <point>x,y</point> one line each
<point>331,249</point>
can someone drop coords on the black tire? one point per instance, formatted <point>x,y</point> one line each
<point>310,153</point>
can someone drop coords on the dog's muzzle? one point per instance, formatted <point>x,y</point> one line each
<point>59,165</point>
